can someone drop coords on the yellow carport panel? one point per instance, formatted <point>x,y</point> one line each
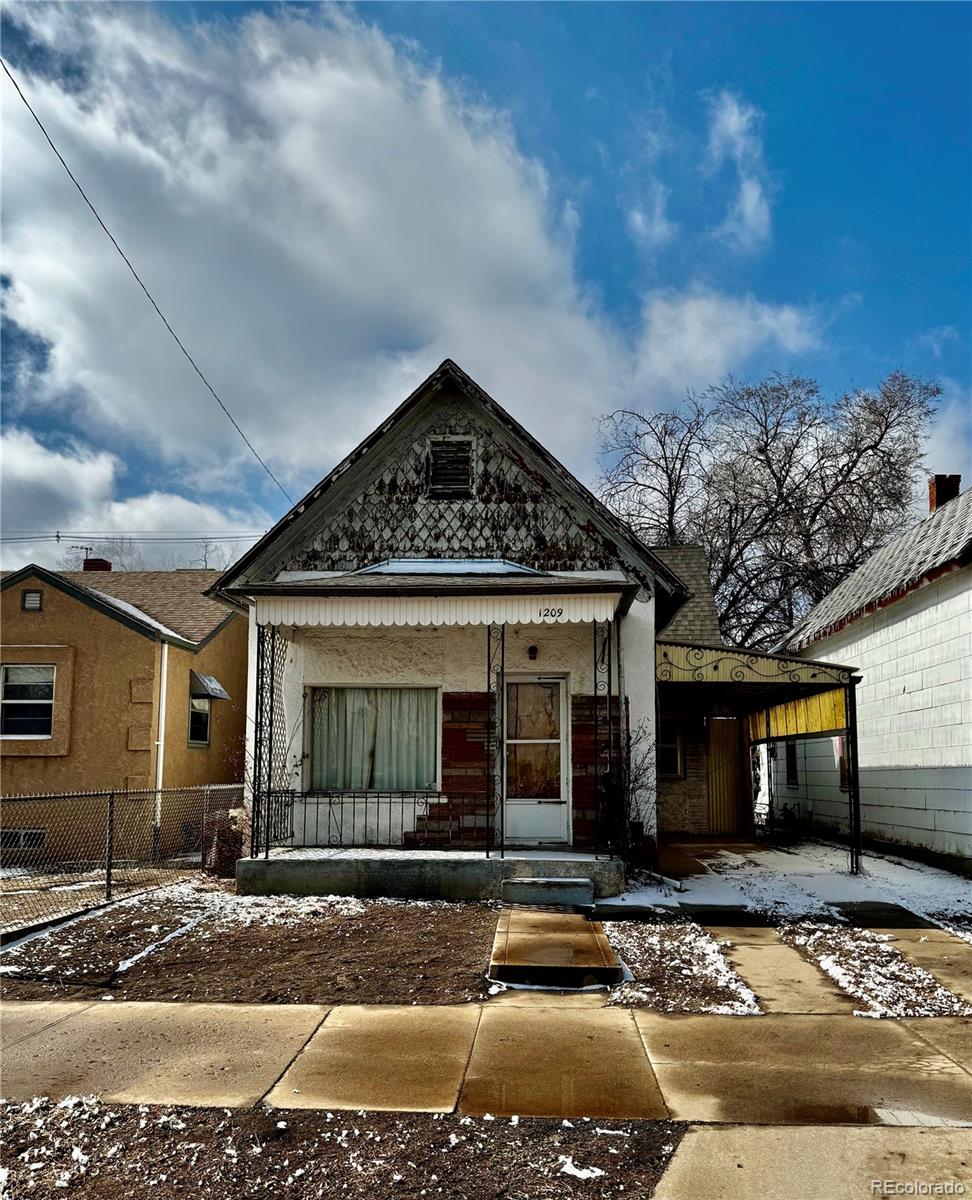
<point>810,714</point>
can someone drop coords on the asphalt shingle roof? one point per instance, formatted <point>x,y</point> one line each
<point>697,621</point>
<point>173,598</point>
<point>942,540</point>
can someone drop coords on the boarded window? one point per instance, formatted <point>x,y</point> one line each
<point>450,467</point>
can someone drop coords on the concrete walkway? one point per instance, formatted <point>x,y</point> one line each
<point>554,1056</point>
<point>807,1163</point>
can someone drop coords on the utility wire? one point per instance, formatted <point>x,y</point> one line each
<point>151,298</point>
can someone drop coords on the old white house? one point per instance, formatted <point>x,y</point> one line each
<point>904,618</point>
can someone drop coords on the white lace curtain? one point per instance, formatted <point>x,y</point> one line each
<point>374,739</point>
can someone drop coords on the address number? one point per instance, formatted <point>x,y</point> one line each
<point>551,614</point>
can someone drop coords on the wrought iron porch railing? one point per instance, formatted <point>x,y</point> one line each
<point>372,819</point>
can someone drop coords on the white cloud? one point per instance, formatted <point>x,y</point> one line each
<point>649,223</point>
<point>935,340</point>
<point>694,338</point>
<point>735,137</point>
<point>73,489</point>
<point>948,450</point>
<point>324,218</point>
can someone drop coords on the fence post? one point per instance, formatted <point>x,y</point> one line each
<point>109,843</point>
<point>202,832</point>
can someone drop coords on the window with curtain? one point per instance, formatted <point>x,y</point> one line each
<point>373,739</point>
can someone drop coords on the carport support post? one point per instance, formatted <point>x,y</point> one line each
<point>853,778</point>
<point>109,843</point>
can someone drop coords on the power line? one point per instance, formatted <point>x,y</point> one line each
<point>25,538</point>
<point>151,298</point>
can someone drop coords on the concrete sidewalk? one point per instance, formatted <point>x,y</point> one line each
<point>554,1056</point>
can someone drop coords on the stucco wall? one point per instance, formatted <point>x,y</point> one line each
<point>110,707</point>
<point>225,656</point>
<point>914,717</point>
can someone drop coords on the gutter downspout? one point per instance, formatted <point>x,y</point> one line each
<point>160,748</point>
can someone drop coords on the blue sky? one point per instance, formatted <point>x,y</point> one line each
<point>586,205</point>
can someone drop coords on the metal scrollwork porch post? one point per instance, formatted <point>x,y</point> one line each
<point>603,730</point>
<point>495,754</point>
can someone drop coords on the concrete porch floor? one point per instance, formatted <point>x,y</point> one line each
<point>417,874</point>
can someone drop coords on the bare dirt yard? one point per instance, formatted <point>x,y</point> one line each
<point>677,967</point>
<point>82,1147</point>
<point>202,942</point>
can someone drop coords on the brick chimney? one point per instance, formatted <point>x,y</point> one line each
<point>941,489</point>
<point>96,564</point>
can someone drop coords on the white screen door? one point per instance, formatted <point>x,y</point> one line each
<point>536,787</point>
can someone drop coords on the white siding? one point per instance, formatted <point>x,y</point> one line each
<point>914,717</point>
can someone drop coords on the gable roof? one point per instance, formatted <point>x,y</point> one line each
<point>168,606</point>
<point>941,542</point>
<point>697,621</point>
<point>449,372</point>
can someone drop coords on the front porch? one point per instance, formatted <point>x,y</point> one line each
<point>485,715</point>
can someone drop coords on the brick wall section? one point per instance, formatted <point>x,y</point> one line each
<point>464,716</point>
<point>584,779</point>
<point>683,804</point>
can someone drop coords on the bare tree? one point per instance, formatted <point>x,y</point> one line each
<point>787,493</point>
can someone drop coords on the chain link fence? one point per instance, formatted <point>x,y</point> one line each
<point>64,852</point>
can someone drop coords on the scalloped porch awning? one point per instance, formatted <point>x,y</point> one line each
<point>536,609</point>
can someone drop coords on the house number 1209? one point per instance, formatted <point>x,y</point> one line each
<point>551,614</point>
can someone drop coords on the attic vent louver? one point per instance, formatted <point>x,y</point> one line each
<point>450,468</point>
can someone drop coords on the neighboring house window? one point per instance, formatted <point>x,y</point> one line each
<point>31,601</point>
<point>374,739</point>
<point>450,467</point>
<point>670,750</point>
<point>199,714</point>
<point>792,769</point>
<point>26,701</point>
<point>840,749</point>
<point>21,839</point>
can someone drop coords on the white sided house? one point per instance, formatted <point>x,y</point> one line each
<point>455,654</point>
<point>904,618</point>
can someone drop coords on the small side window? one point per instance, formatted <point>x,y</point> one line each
<point>26,701</point>
<point>670,750</point>
<point>199,713</point>
<point>31,601</point>
<point>792,767</point>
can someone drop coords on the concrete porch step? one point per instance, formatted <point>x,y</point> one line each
<point>556,950</point>
<point>568,893</point>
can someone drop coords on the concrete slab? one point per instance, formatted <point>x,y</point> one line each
<point>21,1019</point>
<point>946,957</point>
<point>779,1040</point>
<point>801,1094</point>
<point>746,935</point>
<point>572,893</point>
<point>560,1062</point>
<point>810,1162</point>
<point>518,998</point>
<point>557,949</point>
<point>390,1058</point>
<point>949,1035</point>
<point>412,874</point>
<point>153,1053</point>
<point>783,980</point>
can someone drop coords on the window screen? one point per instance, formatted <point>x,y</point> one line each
<point>26,701</point>
<point>669,750</point>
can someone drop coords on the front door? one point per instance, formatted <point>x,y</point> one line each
<point>537,794</point>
